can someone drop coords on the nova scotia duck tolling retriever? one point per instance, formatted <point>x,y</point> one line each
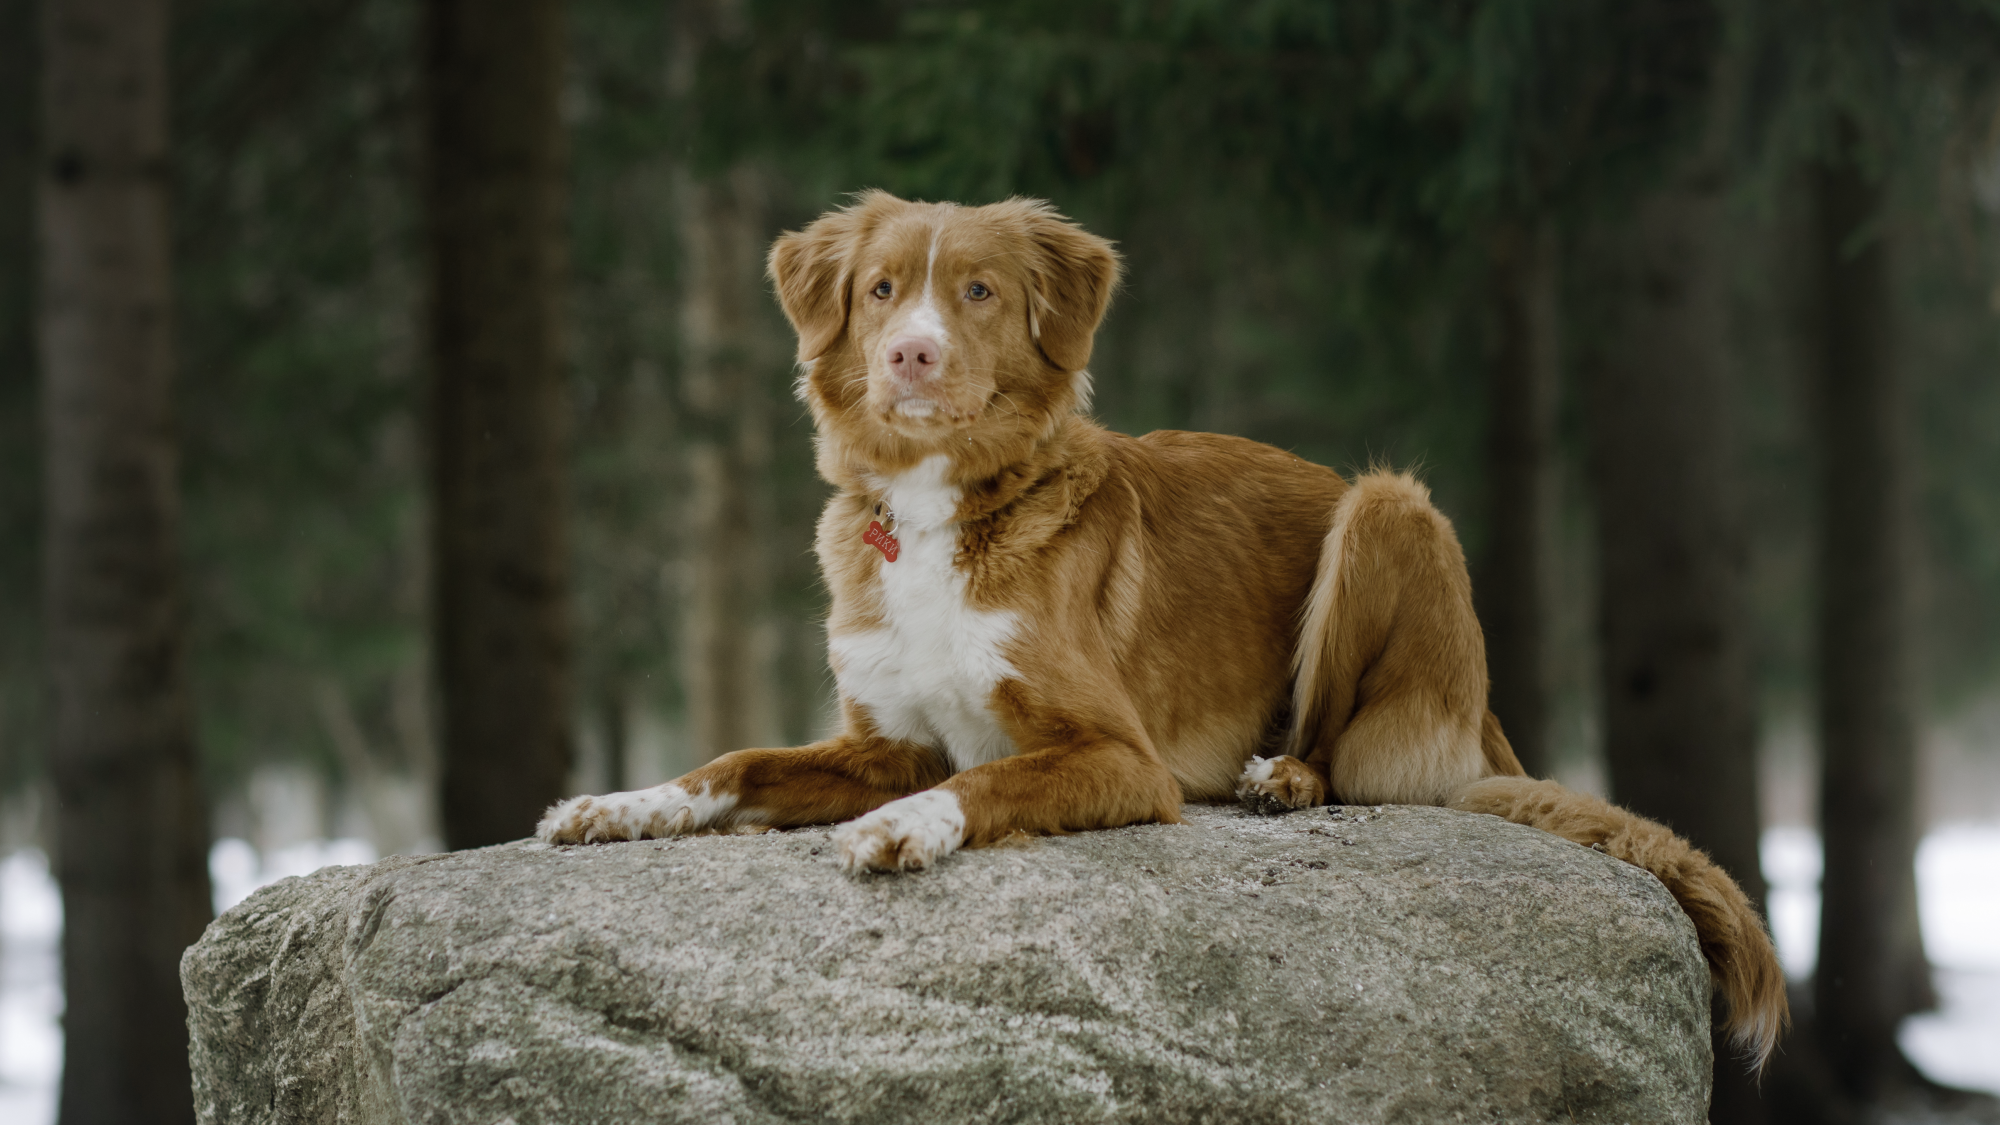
<point>1040,626</point>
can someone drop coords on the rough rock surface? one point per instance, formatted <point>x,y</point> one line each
<point>1354,965</point>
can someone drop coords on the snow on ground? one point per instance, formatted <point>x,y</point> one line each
<point>235,869</point>
<point>30,990</point>
<point>1959,1044</point>
<point>1958,878</point>
<point>31,1000</point>
<point>1958,900</point>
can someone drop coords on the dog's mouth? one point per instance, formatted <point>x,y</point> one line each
<point>918,416</point>
<point>925,409</point>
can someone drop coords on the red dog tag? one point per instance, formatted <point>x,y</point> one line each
<point>881,540</point>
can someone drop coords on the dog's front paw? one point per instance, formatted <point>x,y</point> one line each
<point>645,814</point>
<point>1270,786</point>
<point>906,834</point>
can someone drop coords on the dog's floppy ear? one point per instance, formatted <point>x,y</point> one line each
<point>1075,273</point>
<point>812,269</point>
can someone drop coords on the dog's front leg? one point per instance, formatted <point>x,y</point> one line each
<point>829,781</point>
<point>1085,783</point>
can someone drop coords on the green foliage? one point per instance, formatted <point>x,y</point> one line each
<point>298,304</point>
<point>1305,194</point>
<point>1907,91</point>
<point>627,470</point>
<point>1949,324</point>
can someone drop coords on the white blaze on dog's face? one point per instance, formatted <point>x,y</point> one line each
<point>932,325</point>
<point>934,311</point>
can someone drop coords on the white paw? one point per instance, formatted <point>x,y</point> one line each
<point>1255,773</point>
<point>1278,784</point>
<point>644,814</point>
<point>906,834</point>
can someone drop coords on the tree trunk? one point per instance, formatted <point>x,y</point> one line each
<point>131,834</point>
<point>1679,721</point>
<point>729,637</point>
<point>21,661</point>
<point>614,705</point>
<point>1678,724</point>
<point>728,646</point>
<point>1515,578</point>
<point>498,412</point>
<point>1871,971</point>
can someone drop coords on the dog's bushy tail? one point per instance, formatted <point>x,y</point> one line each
<point>1739,952</point>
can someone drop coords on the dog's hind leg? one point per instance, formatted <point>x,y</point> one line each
<point>1390,702</point>
<point>1389,689</point>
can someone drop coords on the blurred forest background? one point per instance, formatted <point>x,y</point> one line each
<point>1620,280</point>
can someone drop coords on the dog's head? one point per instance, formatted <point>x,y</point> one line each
<point>929,327</point>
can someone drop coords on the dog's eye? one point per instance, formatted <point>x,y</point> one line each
<point>883,288</point>
<point>978,292</point>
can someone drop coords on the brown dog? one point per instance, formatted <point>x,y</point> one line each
<point>1039,626</point>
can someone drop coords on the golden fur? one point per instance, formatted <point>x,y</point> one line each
<point>1157,613</point>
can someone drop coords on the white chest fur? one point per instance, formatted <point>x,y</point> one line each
<point>927,673</point>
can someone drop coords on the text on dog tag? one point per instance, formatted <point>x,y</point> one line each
<point>881,540</point>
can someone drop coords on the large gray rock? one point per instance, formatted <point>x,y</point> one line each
<point>1409,964</point>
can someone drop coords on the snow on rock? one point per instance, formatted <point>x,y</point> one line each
<point>1417,964</point>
